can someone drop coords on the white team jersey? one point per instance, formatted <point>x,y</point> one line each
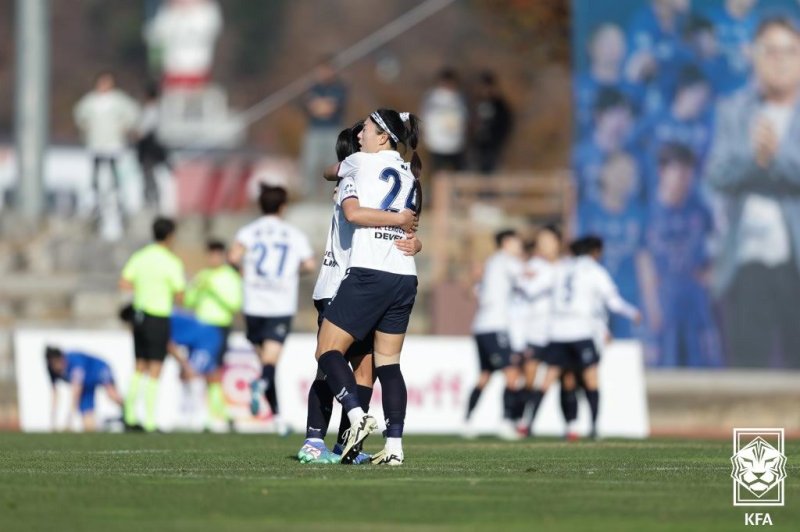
<point>380,181</point>
<point>537,283</point>
<point>583,290</point>
<point>518,318</point>
<point>271,266</point>
<point>337,253</point>
<point>494,293</point>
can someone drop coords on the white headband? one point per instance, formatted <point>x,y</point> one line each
<point>378,120</point>
<point>405,116</point>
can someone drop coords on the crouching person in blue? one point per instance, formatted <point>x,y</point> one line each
<point>85,374</point>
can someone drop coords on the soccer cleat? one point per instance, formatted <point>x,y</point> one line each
<point>384,457</point>
<point>315,452</point>
<point>355,436</point>
<point>256,391</point>
<point>508,432</point>
<point>281,428</point>
<point>362,458</point>
<point>468,431</point>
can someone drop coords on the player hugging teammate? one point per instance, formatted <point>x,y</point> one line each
<point>379,195</point>
<point>543,310</point>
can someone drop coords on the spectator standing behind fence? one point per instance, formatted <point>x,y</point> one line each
<point>106,116</point>
<point>324,105</point>
<point>755,166</point>
<point>149,149</point>
<point>492,122</point>
<point>445,116</point>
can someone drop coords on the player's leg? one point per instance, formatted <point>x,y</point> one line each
<point>529,368</point>
<point>332,343</point>
<point>151,394</point>
<point>318,417</point>
<point>319,409</point>
<point>361,359</point>
<point>86,407</point>
<point>157,340</point>
<point>361,306</point>
<point>569,402</point>
<point>511,373</point>
<point>137,382</point>
<point>394,393</point>
<point>483,343</point>
<point>270,355</point>
<point>215,396</point>
<point>590,358</point>
<point>135,389</point>
<point>555,360</point>
<point>89,422</point>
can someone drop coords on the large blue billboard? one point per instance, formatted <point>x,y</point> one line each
<point>686,162</point>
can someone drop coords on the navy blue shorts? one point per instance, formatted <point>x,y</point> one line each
<point>261,328</point>
<point>494,351</point>
<point>539,353</point>
<point>359,347</point>
<point>371,300</point>
<point>575,356</point>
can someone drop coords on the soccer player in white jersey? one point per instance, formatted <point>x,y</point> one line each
<point>502,273</point>
<point>380,286</point>
<point>271,254</point>
<point>582,290</point>
<point>334,264</point>
<point>537,285</point>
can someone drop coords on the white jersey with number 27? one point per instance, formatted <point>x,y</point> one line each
<point>381,181</point>
<point>271,266</point>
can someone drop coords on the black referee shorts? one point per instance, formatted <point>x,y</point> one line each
<point>150,336</point>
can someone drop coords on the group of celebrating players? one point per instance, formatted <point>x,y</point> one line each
<point>364,296</point>
<point>543,309</point>
<point>539,309</point>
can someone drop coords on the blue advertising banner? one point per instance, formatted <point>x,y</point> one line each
<point>686,163</point>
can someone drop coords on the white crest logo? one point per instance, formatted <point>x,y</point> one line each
<point>759,467</point>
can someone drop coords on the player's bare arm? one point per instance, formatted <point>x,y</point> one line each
<point>366,217</point>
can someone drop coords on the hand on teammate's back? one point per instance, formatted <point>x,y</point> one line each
<point>410,245</point>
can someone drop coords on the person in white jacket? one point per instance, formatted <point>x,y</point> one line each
<point>106,116</point>
<point>183,34</point>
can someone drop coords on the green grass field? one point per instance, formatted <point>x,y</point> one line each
<point>150,483</point>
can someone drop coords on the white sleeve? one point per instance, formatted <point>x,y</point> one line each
<point>349,167</point>
<point>243,237</point>
<point>610,295</point>
<point>347,189</point>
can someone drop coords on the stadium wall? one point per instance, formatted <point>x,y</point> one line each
<point>440,372</point>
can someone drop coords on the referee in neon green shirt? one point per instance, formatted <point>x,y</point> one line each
<point>215,295</point>
<point>155,276</point>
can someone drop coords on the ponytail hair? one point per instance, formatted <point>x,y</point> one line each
<point>403,128</point>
